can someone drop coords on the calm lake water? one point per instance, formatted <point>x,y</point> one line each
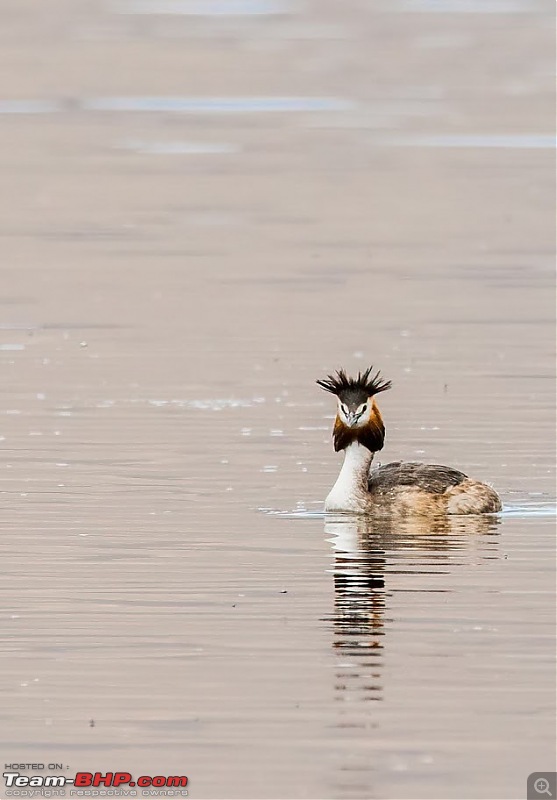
<point>204,210</point>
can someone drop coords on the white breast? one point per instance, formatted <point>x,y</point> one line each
<point>350,491</point>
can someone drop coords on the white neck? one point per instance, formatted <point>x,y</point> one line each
<point>350,491</point>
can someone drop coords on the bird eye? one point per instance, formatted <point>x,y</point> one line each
<point>344,409</point>
<point>364,407</point>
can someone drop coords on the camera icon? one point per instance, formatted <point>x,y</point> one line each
<point>542,785</point>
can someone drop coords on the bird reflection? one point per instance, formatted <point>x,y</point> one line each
<point>364,547</point>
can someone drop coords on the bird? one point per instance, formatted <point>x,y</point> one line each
<point>395,488</point>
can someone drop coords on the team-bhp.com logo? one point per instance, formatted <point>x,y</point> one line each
<point>87,784</point>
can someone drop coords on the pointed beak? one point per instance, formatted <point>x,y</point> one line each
<point>352,419</point>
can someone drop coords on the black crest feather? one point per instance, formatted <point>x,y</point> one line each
<point>365,382</point>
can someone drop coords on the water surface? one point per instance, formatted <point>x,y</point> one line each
<point>202,214</point>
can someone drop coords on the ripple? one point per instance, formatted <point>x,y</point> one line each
<point>523,510</point>
<point>181,105</point>
<point>209,404</point>
<point>216,105</point>
<point>526,141</point>
<point>206,8</point>
<point>530,510</point>
<point>296,514</point>
<point>179,148</point>
<point>468,6</point>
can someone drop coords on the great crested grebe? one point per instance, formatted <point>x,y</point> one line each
<point>399,487</point>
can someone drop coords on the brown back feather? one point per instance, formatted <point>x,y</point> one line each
<point>432,478</point>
